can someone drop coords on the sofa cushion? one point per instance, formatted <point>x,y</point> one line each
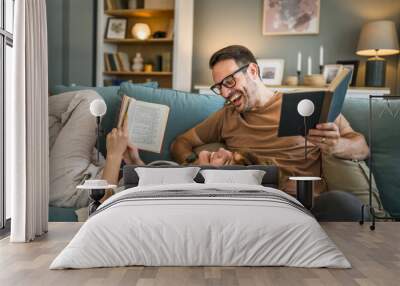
<point>186,110</point>
<point>351,177</point>
<point>62,214</point>
<point>385,144</point>
<point>112,100</point>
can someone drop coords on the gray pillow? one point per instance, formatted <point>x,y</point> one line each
<point>166,176</point>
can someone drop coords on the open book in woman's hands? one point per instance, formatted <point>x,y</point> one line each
<point>146,123</point>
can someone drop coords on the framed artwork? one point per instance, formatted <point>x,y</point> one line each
<point>330,72</point>
<point>353,66</point>
<point>271,70</point>
<point>116,28</point>
<point>283,17</point>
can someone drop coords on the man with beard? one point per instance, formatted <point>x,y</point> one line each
<point>250,122</point>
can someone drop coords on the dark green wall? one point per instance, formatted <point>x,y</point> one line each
<point>70,25</point>
<point>223,22</point>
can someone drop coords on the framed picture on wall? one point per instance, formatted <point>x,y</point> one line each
<point>330,72</point>
<point>282,17</point>
<point>116,28</point>
<point>352,66</point>
<point>271,70</point>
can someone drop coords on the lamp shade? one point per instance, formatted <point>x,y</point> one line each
<point>378,38</point>
<point>98,107</point>
<point>141,31</point>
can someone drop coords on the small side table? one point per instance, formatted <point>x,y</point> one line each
<point>97,189</point>
<point>304,193</point>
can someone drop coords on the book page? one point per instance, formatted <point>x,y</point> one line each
<point>146,124</point>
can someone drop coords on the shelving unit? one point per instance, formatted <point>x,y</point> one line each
<point>179,45</point>
<point>156,73</point>
<point>136,41</point>
<point>145,13</point>
<point>157,20</point>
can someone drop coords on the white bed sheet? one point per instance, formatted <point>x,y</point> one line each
<point>200,231</point>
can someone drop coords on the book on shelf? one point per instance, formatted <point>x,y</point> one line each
<point>116,4</point>
<point>109,5</point>
<point>107,65</point>
<point>114,81</point>
<point>166,62</point>
<point>159,4</point>
<point>158,63</point>
<point>146,123</point>
<point>117,63</point>
<point>170,32</point>
<point>110,62</point>
<point>328,103</point>
<point>123,60</point>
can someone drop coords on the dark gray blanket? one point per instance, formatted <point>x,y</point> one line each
<point>204,194</point>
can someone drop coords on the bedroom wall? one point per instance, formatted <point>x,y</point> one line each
<point>70,41</point>
<point>219,23</point>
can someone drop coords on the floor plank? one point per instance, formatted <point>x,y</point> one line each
<point>374,255</point>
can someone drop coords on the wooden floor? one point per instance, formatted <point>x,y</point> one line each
<point>374,255</point>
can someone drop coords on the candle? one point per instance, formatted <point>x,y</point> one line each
<point>321,55</point>
<point>309,64</point>
<point>299,61</point>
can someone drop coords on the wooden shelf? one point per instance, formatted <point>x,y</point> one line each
<point>145,13</point>
<point>137,41</point>
<point>155,73</point>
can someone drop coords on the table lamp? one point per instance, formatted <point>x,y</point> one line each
<point>305,108</point>
<point>98,108</point>
<point>377,39</point>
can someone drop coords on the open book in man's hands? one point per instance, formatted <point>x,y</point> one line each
<point>327,102</point>
<point>146,123</point>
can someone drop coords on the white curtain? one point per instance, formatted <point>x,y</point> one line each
<point>27,146</point>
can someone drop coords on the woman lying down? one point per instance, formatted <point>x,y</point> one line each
<point>72,132</point>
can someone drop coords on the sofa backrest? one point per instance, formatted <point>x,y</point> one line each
<point>385,144</point>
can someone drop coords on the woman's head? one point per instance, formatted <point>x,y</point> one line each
<point>225,157</point>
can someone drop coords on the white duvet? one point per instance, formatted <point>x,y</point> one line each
<point>188,231</point>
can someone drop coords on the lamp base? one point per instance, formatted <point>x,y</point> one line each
<point>375,72</point>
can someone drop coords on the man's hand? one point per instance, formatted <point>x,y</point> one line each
<point>117,141</point>
<point>204,158</point>
<point>326,136</point>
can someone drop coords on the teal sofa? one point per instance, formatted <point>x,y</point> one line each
<point>188,109</point>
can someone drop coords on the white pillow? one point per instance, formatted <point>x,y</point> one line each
<point>248,177</point>
<point>166,176</point>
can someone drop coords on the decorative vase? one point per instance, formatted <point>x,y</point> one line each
<point>148,68</point>
<point>137,65</point>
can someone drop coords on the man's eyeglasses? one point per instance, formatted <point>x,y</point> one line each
<point>228,81</point>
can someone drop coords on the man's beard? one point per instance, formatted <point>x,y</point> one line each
<point>241,96</point>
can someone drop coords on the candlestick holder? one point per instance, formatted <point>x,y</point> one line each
<point>291,80</point>
<point>316,80</point>
<point>298,77</point>
<point>321,69</point>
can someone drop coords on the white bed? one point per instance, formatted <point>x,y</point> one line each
<point>222,225</point>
